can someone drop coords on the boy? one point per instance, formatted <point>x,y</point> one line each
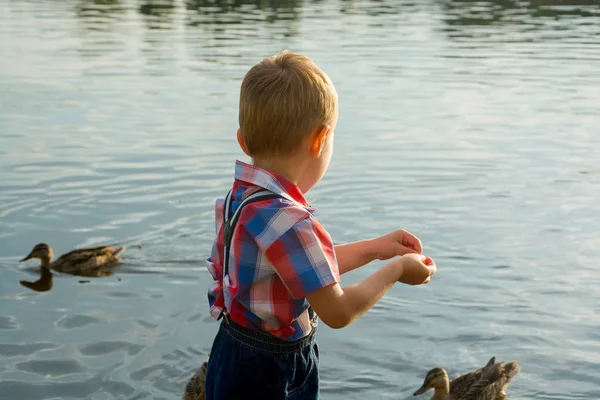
<point>274,266</point>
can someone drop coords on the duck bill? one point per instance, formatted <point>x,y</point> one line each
<point>421,390</point>
<point>29,257</point>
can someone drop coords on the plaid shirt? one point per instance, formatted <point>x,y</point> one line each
<point>279,254</point>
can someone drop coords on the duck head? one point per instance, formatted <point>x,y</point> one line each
<point>41,251</point>
<point>436,379</point>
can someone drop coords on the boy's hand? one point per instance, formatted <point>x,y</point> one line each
<point>397,243</point>
<point>338,307</point>
<point>416,269</point>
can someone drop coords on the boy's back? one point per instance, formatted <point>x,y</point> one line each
<point>257,293</point>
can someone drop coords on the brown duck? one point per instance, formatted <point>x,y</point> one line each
<point>194,390</point>
<point>487,383</point>
<point>97,261</point>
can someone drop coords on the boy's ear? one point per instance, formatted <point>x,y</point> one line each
<point>319,140</point>
<point>242,142</point>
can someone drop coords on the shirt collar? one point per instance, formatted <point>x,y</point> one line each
<point>272,181</point>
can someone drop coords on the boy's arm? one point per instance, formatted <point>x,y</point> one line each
<point>354,255</point>
<point>339,307</point>
<point>304,258</point>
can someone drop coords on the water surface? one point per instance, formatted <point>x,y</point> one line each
<point>472,124</point>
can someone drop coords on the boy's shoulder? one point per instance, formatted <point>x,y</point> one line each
<point>279,212</point>
<point>269,220</point>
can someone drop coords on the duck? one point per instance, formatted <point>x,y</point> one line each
<point>97,261</point>
<point>486,383</point>
<point>194,390</point>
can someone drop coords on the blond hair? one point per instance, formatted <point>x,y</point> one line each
<point>283,99</point>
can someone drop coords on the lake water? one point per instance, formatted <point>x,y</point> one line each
<point>475,125</point>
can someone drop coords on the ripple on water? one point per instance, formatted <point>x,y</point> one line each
<point>122,295</point>
<point>52,367</point>
<point>163,376</point>
<point>68,390</point>
<point>11,350</point>
<point>146,324</point>
<point>148,373</point>
<point>77,321</point>
<point>107,347</point>
<point>8,323</point>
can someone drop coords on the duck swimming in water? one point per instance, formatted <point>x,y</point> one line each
<point>97,261</point>
<point>487,383</point>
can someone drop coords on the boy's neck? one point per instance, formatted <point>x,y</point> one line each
<point>290,168</point>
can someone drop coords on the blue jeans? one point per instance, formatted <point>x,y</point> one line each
<point>245,364</point>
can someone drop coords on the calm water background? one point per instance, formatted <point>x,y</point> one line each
<point>473,124</point>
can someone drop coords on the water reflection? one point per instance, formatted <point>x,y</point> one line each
<point>240,11</point>
<point>46,279</point>
<point>99,14</point>
<point>158,14</point>
<point>43,284</point>
<point>483,12</point>
<point>376,8</point>
<point>459,15</point>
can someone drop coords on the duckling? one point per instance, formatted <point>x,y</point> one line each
<point>95,261</point>
<point>487,383</point>
<point>194,390</point>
